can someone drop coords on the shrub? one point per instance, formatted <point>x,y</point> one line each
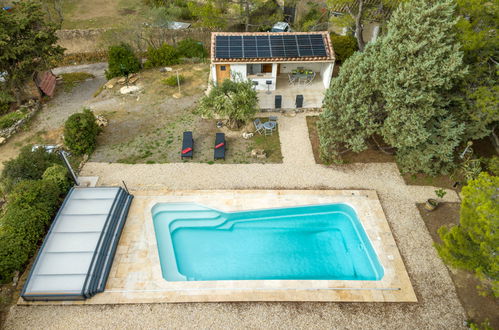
<point>31,206</point>
<point>172,80</point>
<point>472,244</point>
<point>5,100</point>
<point>121,61</point>
<point>28,165</point>
<point>493,165</point>
<point>80,132</point>
<point>164,55</point>
<point>59,175</point>
<point>344,46</point>
<point>191,48</point>
<point>10,119</point>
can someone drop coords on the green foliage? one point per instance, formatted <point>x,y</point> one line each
<point>59,175</point>
<point>80,132</point>
<point>172,80</point>
<point>343,46</point>
<point>121,61</point>
<point>28,212</point>
<point>235,100</point>
<point>27,44</point>
<point>71,79</point>
<point>207,15</point>
<point>28,165</point>
<point>162,56</point>
<point>311,18</point>
<point>440,193</point>
<point>477,30</point>
<point>399,88</point>
<point>493,165</point>
<point>5,100</point>
<point>473,244</point>
<point>191,48</point>
<point>10,119</point>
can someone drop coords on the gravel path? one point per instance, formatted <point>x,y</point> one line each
<point>438,306</point>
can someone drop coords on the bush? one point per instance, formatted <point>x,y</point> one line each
<point>343,46</point>
<point>172,80</point>
<point>80,132</point>
<point>10,119</point>
<point>191,48</point>
<point>31,206</point>
<point>59,175</point>
<point>493,165</point>
<point>28,165</point>
<point>121,61</point>
<point>162,56</point>
<point>5,100</point>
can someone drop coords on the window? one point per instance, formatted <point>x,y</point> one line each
<point>222,67</point>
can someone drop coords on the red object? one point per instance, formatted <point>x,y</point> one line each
<point>219,145</point>
<point>46,82</point>
<point>186,150</point>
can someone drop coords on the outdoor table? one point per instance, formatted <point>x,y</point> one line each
<point>301,76</point>
<point>269,125</point>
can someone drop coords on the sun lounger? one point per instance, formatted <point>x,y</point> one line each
<point>187,146</point>
<point>220,146</point>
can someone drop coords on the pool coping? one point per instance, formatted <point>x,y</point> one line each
<point>136,277</point>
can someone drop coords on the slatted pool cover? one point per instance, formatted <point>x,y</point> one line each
<point>77,253</point>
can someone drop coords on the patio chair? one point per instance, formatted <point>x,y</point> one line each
<point>292,79</point>
<point>220,146</point>
<point>187,146</point>
<point>258,125</point>
<point>310,79</point>
<point>274,120</point>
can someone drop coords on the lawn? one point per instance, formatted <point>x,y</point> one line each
<point>477,307</point>
<point>102,14</point>
<point>148,127</point>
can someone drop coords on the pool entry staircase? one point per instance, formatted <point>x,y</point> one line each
<point>78,251</point>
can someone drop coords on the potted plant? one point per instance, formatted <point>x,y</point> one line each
<point>431,204</point>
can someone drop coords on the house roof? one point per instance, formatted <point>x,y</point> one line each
<point>250,47</point>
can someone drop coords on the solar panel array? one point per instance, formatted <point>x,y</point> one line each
<point>270,46</point>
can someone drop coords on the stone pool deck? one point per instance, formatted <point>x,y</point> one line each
<point>136,273</point>
<point>438,306</point>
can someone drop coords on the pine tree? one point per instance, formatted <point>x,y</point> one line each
<point>474,244</point>
<point>400,88</point>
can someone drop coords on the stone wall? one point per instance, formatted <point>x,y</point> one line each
<point>31,108</point>
<point>96,40</point>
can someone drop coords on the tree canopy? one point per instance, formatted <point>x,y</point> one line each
<point>27,44</point>
<point>474,243</point>
<point>400,89</point>
<point>235,100</point>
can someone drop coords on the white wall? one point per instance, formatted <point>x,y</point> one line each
<point>238,71</point>
<point>288,67</point>
<point>213,75</point>
<point>327,73</point>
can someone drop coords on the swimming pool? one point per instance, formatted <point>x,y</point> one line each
<point>318,242</point>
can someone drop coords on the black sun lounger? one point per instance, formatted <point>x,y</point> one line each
<point>220,146</point>
<point>187,146</point>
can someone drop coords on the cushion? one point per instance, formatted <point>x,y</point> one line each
<point>186,150</point>
<point>219,145</point>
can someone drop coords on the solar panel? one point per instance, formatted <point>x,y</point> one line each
<point>286,46</point>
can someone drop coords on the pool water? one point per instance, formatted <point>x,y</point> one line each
<point>319,242</point>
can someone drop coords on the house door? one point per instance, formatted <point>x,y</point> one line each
<point>223,72</point>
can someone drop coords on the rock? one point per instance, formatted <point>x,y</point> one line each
<point>129,89</point>
<point>258,153</point>
<point>2,140</point>
<point>133,80</point>
<point>177,95</point>
<point>165,69</point>
<point>247,135</point>
<point>110,84</point>
<point>121,81</point>
<point>101,121</point>
<point>15,279</point>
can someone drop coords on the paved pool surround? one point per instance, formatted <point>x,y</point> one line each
<point>136,275</point>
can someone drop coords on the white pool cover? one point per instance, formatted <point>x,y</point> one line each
<point>77,253</point>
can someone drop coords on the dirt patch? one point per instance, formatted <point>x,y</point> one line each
<point>478,308</point>
<point>443,181</point>
<point>371,155</point>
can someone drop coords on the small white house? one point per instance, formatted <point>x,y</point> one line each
<point>273,60</point>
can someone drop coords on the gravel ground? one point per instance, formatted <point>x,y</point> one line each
<point>438,306</point>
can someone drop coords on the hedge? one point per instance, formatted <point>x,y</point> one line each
<point>29,210</point>
<point>80,132</point>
